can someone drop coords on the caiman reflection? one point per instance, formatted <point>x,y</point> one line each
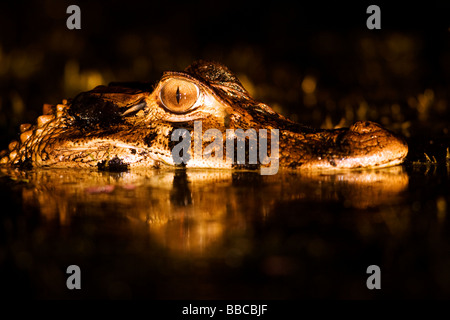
<point>195,211</point>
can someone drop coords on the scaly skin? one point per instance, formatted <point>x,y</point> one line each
<point>127,126</point>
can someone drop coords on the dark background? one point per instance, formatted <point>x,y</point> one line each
<point>398,75</point>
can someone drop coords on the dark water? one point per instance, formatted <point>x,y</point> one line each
<point>206,234</point>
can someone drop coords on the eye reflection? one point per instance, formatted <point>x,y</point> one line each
<point>179,95</point>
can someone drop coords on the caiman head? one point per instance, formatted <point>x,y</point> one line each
<point>120,126</point>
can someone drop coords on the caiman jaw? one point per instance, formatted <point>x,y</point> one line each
<point>102,152</point>
<point>364,145</point>
<point>373,146</point>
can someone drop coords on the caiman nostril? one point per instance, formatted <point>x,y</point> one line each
<point>365,127</point>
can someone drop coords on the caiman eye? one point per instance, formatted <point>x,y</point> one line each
<point>179,95</point>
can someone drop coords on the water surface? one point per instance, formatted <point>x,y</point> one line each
<point>221,234</point>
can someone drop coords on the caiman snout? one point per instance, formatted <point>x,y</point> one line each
<point>372,145</point>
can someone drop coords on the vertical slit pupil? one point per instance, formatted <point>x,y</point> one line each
<point>178,95</point>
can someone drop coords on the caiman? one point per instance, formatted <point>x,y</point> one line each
<point>121,126</point>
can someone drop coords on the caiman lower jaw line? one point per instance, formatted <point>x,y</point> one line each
<point>103,144</point>
<point>109,149</point>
